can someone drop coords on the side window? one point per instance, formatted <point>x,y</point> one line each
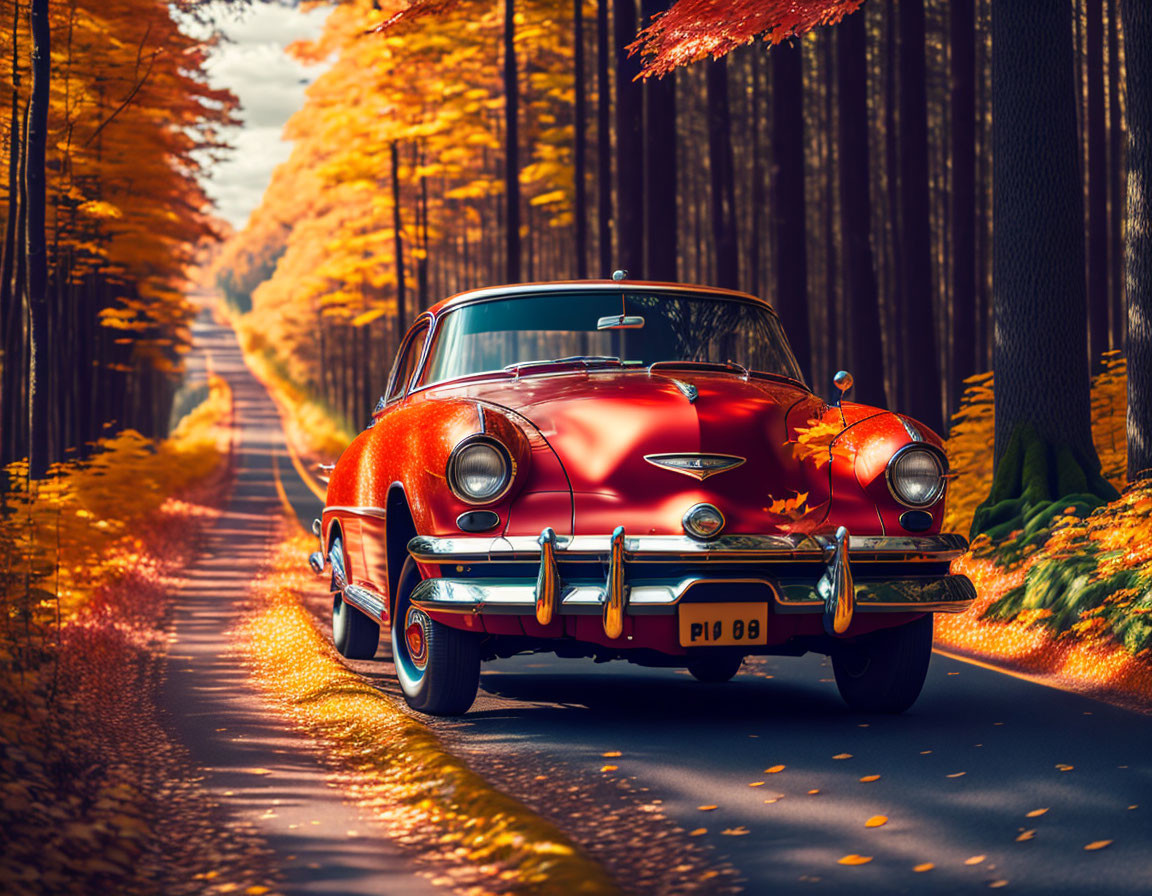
<point>406,363</point>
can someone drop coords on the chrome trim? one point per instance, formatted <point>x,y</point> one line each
<point>336,558</point>
<point>316,562</point>
<point>509,469</point>
<point>615,596</point>
<point>941,465</point>
<point>701,475</point>
<point>665,548</point>
<point>647,597</point>
<point>943,594</point>
<point>316,528</point>
<point>701,506</point>
<point>379,512</point>
<point>366,600</point>
<point>548,579</point>
<point>837,588</point>
<point>913,433</point>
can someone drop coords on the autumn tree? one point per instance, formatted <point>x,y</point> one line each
<point>1137,17</point>
<point>1044,456</point>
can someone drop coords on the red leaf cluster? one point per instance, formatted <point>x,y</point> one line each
<point>695,29</point>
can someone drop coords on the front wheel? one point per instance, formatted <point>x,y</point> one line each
<point>884,671</point>
<point>438,666</point>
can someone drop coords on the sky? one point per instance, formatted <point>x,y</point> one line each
<point>270,85</point>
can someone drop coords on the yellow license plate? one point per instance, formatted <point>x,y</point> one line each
<point>723,625</point>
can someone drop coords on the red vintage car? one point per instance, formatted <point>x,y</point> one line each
<point>637,471</point>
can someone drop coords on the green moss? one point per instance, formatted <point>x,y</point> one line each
<point>1036,481</point>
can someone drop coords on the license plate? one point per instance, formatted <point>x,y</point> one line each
<point>723,625</point>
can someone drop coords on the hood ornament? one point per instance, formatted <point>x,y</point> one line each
<point>698,466</point>
<point>687,390</point>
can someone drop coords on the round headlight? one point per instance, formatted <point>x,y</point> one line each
<point>479,471</point>
<point>915,476</point>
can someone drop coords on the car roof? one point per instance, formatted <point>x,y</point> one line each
<point>522,290</point>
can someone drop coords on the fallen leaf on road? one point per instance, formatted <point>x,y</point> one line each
<point>705,808</point>
<point>956,775</point>
<point>975,860</point>
<point>1064,767</point>
<point>1036,813</point>
<point>609,768</point>
<point>612,754</point>
<point>259,771</point>
<point>1026,835</point>
<point>813,792</point>
<point>924,866</point>
<point>1134,806</point>
<point>1097,844</point>
<point>774,770</point>
<point>698,832</point>
<point>997,884</point>
<point>756,784</point>
<point>842,756</point>
<point>869,778</point>
<point>735,832</point>
<point>876,821</point>
<point>853,859</point>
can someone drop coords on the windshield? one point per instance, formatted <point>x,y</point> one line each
<point>490,336</point>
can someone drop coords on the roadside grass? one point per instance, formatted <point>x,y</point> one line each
<point>486,841</point>
<point>1071,597</point>
<point>93,795</point>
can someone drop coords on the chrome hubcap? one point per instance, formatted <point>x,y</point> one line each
<point>416,637</point>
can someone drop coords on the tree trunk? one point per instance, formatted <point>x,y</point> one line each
<point>962,42</point>
<point>603,141</point>
<point>789,215</point>
<point>920,344</point>
<point>661,220</point>
<point>1116,186</point>
<point>398,247</point>
<point>37,251</point>
<point>1138,41</point>
<point>1044,459</point>
<point>629,143</point>
<point>723,177</point>
<point>1097,187</point>
<point>860,290</point>
<point>512,147</point>
<point>11,317</point>
<point>580,134</point>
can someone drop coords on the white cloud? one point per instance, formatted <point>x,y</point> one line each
<point>270,86</point>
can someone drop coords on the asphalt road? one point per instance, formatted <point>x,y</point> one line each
<point>956,777</point>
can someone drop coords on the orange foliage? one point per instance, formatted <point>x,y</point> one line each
<point>93,796</point>
<point>318,255</point>
<point>693,30</point>
<point>130,110</point>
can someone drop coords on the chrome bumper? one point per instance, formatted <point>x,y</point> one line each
<point>625,589</point>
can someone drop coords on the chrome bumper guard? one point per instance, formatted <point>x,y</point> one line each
<point>838,594</point>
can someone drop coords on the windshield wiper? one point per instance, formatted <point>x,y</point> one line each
<point>586,360</point>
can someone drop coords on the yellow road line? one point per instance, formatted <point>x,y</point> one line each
<point>313,484</point>
<point>280,487</point>
<point>1030,677</point>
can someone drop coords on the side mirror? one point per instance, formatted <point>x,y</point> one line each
<point>842,381</point>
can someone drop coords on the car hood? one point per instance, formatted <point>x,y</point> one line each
<point>603,424</point>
